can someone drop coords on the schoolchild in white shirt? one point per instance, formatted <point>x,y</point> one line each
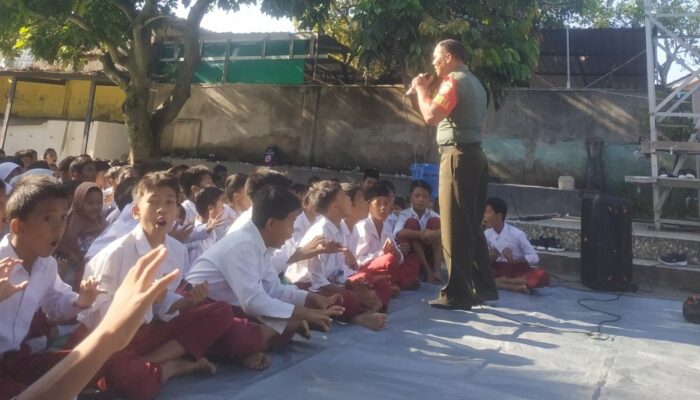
<point>513,259</point>
<point>377,251</point>
<point>237,201</point>
<point>210,204</point>
<point>420,226</point>
<point>329,273</point>
<point>37,211</point>
<point>177,331</point>
<point>238,271</point>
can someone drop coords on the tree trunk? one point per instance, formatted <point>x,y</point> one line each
<point>142,141</point>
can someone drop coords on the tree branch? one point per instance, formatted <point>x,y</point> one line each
<point>170,108</point>
<point>112,47</point>
<point>156,18</point>
<point>126,8</point>
<point>113,73</point>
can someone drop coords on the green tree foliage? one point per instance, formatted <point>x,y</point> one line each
<point>393,40</point>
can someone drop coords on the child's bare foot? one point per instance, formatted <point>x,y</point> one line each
<point>204,366</point>
<point>374,321</point>
<point>256,362</point>
<point>303,330</point>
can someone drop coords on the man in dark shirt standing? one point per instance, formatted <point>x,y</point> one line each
<point>458,110</point>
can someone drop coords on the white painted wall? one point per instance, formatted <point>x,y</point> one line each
<point>107,140</point>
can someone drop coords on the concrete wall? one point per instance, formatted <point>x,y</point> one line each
<point>332,126</point>
<point>534,138</point>
<point>539,135</point>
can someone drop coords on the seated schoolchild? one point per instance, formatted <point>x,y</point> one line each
<point>237,201</point>
<point>376,250</point>
<point>329,273</point>
<point>192,181</point>
<point>399,205</point>
<point>177,331</point>
<point>420,226</point>
<point>37,211</point>
<point>259,178</point>
<point>120,222</point>
<point>238,272</point>
<point>512,256</point>
<point>391,218</point>
<point>85,224</point>
<point>210,204</point>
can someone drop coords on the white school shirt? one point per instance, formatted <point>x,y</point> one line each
<point>409,213</point>
<point>324,269</point>
<point>230,213</point>
<point>514,238</point>
<point>45,290</point>
<point>238,271</point>
<point>111,265</point>
<point>301,226</point>
<point>391,221</point>
<point>371,242</point>
<point>190,211</point>
<point>124,224</point>
<point>245,216</point>
<point>353,237</point>
<point>198,247</point>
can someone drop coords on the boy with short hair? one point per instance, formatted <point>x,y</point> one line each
<point>37,210</point>
<point>330,274</point>
<point>420,226</point>
<point>391,218</point>
<point>210,204</point>
<point>177,331</point>
<point>258,179</point>
<point>238,272</point>
<point>370,178</point>
<point>193,180</point>
<point>377,251</point>
<point>219,175</point>
<point>512,256</point>
<point>82,169</point>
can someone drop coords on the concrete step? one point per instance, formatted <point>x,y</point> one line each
<point>662,280</point>
<point>647,244</point>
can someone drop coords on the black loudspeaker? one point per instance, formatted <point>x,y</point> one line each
<point>606,243</point>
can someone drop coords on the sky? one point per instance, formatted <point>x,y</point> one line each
<point>247,19</point>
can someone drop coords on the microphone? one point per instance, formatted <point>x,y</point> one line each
<point>412,90</point>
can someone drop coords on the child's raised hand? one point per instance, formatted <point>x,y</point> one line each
<point>182,233</point>
<point>7,289</point>
<point>217,221</point>
<point>89,290</point>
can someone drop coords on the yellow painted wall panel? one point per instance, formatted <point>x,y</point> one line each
<point>39,100</point>
<point>59,101</point>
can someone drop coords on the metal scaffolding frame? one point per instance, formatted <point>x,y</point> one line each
<point>669,107</point>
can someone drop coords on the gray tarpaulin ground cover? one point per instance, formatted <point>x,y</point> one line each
<point>652,353</point>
